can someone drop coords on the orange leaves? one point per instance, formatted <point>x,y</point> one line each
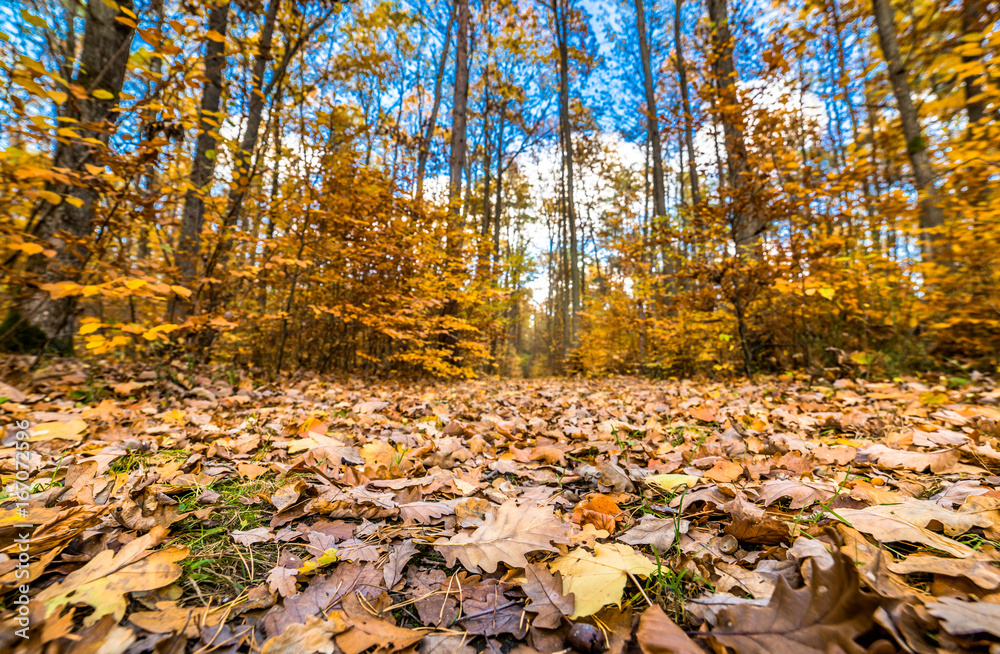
<point>598,510</point>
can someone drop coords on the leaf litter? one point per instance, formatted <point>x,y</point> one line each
<point>177,511</point>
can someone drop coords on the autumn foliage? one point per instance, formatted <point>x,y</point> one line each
<point>379,187</point>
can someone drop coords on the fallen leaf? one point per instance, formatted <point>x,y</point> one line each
<point>509,533</point>
<point>599,579</point>
<point>104,582</point>
<point>965,618</point>
<point>657,634</point>
<point>548,601</point>
<point>888,528</point>
<point>829,612</point>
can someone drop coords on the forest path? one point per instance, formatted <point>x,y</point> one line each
<point>197,513</point>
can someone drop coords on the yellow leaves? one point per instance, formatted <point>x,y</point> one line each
<point>328,557</point>
<point>101,94</point>
<point>599,579</point>
<point>213,35</point>
<point>30,248</point>
<point>671,483</point>
<point>61,289</point>
<point>33,20</point>
<point>105,580</point>
<point>71,430</point>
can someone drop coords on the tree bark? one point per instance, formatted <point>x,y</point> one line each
<point>652,120</point>
<point>560,10</point>
<point>456,159</point>
<point>931,215</point>
<point>746,225</point>
<point>973,19</point>
<point>65,227</point>
<point>424,153</point>
<point>203,165</point>
<point>686,104</point>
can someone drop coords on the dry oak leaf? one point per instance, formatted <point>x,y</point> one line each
<point>178,619</point>
<point>599,579</point>
<point>253,536</point>
<point>313,637</point>
<point>384,636</point>
<point>929,515</point>
<point>657,634</point>
<point>981,573</point>
<point>105,580</point>
<point>890,459</point>
<point>723,472</point>
<point>659,533</point>
<point>801,493</point>
<point>71,430</point>
<point>827,614</point>
<point>598,510</point>
<point>671,483</point>
<point>547,598</point>
<point>509,533</point>
<point>888,528</point>
<point>964,618</point>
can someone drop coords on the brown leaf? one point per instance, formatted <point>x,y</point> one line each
<point>315,636</point>
<point>547,599</point>
<point>965,618</point>
<point>830,611</point>
<point>384,636</point>
<point>724,472</point>
<point>105,581</point>
<point>888,528</point>
<point>398,558</point>
<point>890,459</point>
<point>982,573</point>
<point>509,533</point>
<point>801,493</point>
<point>658,533</point>
<point>657,634</point>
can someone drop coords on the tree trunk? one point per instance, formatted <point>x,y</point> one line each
<point>686,104</point>
<point>65,227</point>
<point>456,160</point>
<point>745,224</point>
<point>425,142</point>
<point>560,10</point>
<point>652,120</point>
<point>931,215</point>
<point>203,166</point>
<point>973,19</point>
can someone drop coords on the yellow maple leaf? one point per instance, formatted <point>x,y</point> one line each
<point>599,579</point>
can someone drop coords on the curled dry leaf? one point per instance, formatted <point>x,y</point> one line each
<point>831,611</point>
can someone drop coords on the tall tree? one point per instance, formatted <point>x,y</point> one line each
<point>456,160</point>
<point>931,215</point>
<point>560,10</point>
<point>973,23</point>
<point>682,83</point>
<point>652,120</point>
<point>745,224</point>
<point>203,165</point>
<point>107,42</point>
<point>425,141</point>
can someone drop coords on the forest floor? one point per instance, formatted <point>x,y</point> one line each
<point>177,512</point>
